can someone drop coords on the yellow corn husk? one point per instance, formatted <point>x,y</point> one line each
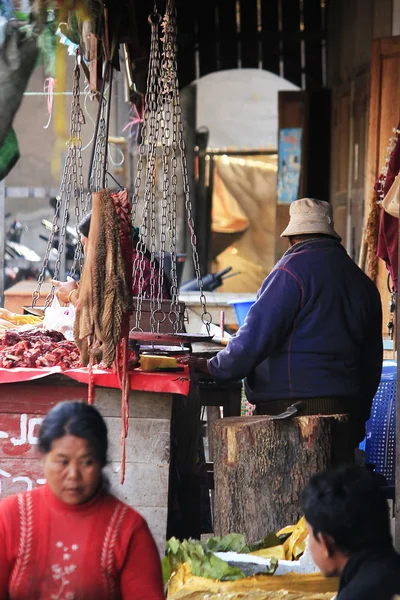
<point>15,319</point>
<point>184,585</point>
<point>278,552</point>
<point>290,528</point>
<point>292,548</point>
<point>295,544</point>
<point>25,320</point>
<point>286,530</point>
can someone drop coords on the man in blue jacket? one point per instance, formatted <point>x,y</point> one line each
<point>315,332</point>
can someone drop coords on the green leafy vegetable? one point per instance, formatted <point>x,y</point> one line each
<point>202,562</point>
<point>232,542</point>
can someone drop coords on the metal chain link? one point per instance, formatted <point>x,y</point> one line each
<point>50,243</point>
<point>71,181</point>
<point>170,28</point>
<point>172,228</point>
<point>169,147</point>
<point>163,114</point>
<point>165,130</point>
<point>148,148</point>
<point>99,163</point>
<point>77,166</point>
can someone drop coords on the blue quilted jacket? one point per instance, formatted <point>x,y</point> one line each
<point>315,331</point>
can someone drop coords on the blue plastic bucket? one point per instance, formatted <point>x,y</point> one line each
<point>242,307</point>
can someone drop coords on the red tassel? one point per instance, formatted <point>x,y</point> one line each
<point>123,458</point>
<point>124,374</point>
<point>91,391</point>
<point>125,378</point>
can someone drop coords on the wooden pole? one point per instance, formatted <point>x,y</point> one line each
<point>262,465</point>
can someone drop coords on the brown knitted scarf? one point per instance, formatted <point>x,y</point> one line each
<point>104,296</point>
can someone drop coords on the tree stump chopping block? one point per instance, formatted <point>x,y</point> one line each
<point>261,466</point>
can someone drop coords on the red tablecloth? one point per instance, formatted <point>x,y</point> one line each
<point>168,383</point>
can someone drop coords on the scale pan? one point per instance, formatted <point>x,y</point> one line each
<point>36,312</point>
<point>169,338</point>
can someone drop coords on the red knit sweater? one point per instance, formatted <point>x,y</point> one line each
<point>101,550</point>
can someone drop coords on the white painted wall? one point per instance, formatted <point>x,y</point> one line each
<point>240,108</point>
<point>396,17</point>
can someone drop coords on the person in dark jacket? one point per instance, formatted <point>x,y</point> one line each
<point>349,533</point>
<point>315,332</point>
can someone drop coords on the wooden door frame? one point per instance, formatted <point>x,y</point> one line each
<point>381,48</point>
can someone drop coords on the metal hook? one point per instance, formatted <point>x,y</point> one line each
<point>155,18</point>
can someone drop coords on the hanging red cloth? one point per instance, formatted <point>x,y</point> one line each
<point>388,230</point>
<point>388,239</point>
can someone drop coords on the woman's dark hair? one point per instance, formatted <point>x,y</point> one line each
<point>79,419</point>
<point>84,225</point>
<point>349,505</point>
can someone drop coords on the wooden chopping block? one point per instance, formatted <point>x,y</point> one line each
<point>261,466</point>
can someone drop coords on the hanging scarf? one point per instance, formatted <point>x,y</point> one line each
<point>387,248</point>
<point>101,327</point>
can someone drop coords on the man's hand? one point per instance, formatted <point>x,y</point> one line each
<point>198,364</point>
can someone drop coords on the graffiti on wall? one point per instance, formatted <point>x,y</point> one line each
<point>20,466</point>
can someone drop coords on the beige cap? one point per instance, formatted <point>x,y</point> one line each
<point>308,216</point>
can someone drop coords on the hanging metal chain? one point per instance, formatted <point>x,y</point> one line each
<point>163,115</point>
<point>165,131</point>
<point>148,148</point>
<point>172,229</point>
<point>50,243</point>
<point>78,120</point>
<point>98,163</point>
<point>169,150</point>
<point>170,30</point>
<point>96,181</point>
<point>71,182</point>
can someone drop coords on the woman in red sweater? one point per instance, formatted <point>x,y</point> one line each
<point>71,539</point>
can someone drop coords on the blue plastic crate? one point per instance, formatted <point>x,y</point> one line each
<point>242,307</point>
<point>380,441</point>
